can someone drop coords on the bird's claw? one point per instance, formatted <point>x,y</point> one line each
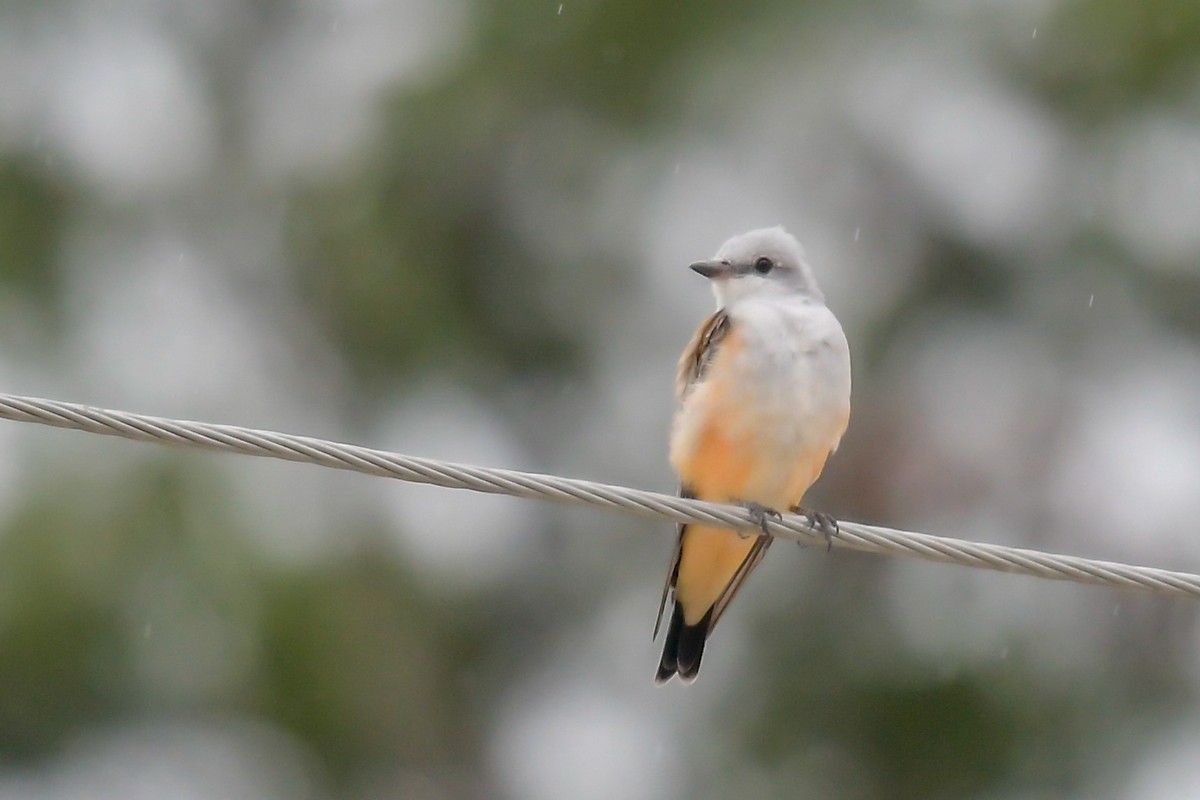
<point>759,514</point>
<point>822,522</point>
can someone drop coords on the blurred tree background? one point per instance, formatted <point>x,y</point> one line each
<point>461,229</point>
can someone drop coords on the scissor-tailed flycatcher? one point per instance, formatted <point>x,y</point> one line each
<point>764,398</point>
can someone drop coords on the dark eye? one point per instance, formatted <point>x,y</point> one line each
<point>763,265</point>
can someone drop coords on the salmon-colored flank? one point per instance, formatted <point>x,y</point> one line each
<point>720,469</point>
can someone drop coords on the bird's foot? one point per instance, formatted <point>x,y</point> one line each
<point>759,514</point>
<point>827,525</point>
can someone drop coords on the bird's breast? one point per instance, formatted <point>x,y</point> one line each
<point>772,406</point>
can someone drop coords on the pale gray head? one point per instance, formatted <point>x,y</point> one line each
<point>761,263</point>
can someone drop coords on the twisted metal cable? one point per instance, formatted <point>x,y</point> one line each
<point>855,536</point>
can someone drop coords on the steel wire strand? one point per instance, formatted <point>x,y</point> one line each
<point>851,535</point>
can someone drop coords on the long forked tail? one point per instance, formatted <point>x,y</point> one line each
<point>683,647</point>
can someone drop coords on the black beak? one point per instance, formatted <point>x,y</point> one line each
<point>713,270</point>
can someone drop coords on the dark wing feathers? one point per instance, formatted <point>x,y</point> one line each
<point>700,351</point>
<point>695,360</point>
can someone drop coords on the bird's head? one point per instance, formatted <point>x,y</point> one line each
<point>763,262</point>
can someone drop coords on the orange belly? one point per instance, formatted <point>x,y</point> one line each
<point>720,469</point>
<point>724,469</point>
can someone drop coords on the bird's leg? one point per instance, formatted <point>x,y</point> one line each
<point>759,514</point>
<point>827,525</point>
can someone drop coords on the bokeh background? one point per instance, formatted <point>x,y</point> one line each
<point>460,229</point>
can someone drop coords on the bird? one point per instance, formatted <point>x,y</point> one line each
<point>763,399</point>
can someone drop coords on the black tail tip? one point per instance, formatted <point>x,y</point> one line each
<point>667,671</point>
<point>683,648</point>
